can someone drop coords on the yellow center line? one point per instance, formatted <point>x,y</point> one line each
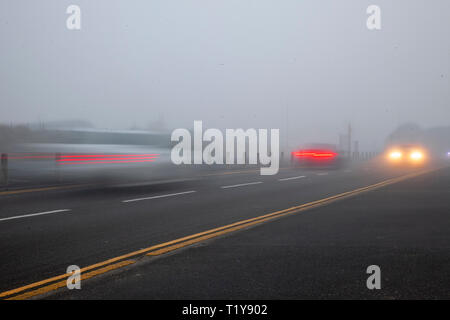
<point>277,215</point>
<point>62,284</point>
<point>199,237</point>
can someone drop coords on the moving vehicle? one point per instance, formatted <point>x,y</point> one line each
<point>406,155</point>
<point>318,156</point>
<point>94,155</point>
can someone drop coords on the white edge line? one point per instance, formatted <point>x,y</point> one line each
<point>161,196</point>
<point>291,178</point>
<point>34,214</point>
<point>241,185</point>
<point>322,173</point>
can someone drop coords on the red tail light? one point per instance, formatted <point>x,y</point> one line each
<point>314,154</point>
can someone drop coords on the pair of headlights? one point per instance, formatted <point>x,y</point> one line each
<point>414,155</point>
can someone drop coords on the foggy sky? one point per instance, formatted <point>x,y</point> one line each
<point>310,65</point>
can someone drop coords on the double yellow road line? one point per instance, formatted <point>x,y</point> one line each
<point>57,282</point>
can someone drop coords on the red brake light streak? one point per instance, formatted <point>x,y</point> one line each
<point>315,154</point>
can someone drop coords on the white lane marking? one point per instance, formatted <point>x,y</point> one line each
<point>241,185</point>
<point>161,196</point>
<point>322,173</point>
<point>34,214</point>
<point>291,178</point>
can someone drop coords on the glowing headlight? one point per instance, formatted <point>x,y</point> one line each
<point>395,155</point>
<point>416,155</point>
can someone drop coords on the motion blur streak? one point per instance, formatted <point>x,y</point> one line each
<point>95,159</point>
<point>109,155</point>
<point>30,157</point>
<point>119,161</point>
<point>64,159</point>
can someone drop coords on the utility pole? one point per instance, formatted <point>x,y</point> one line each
<point>349,143</point>
<point>356,149</point>
<point>287,131</point>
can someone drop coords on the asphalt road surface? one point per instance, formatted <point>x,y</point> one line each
<point>233,235</point>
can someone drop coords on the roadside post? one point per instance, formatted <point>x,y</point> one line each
<point>57,170</point>
<point>4,164</point>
